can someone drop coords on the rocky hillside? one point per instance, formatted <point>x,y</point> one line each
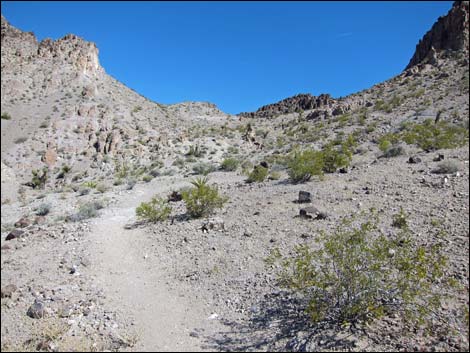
<point>80,152</point>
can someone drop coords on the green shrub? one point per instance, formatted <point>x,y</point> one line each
<point>39,178</point>
<point>6,116</point>
<point>202,199</point>
<point>334,159</point>
<point>229,164</point>
<point>303,165</point>
<point>399,220</point>
<point>430,136</point>
<point>156,210</point>
<point>358,274</point>
<point>90,184</point>
<point>258,174</point>
<point>147,178</point>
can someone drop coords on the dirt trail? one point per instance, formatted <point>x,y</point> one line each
<point>134,283</point>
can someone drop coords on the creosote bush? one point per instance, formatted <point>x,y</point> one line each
<point>229,164</point>
<point>258,174</point>
<point>357,274</point>
<point>202,199</point>
<point>303,165</point>
<point>156,210</point>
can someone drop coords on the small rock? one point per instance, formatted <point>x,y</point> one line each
<point>194,334</point>
<point>213,224</point>
<point>312,213</point>
<point>175,196</point>
<point>438,158</point>
<point>15,233</point>
<point>213,316</point>
<point>304,196</point>
<point>37,310</point>
<point>7,291</point>
<point>6,247</point>
<point>247,233</point>
<point>414,160</point>
<point>343,170</point>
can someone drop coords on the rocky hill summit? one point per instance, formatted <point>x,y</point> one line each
<point>450,32</point>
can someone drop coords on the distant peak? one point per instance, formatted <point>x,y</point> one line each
<point>448,32</point>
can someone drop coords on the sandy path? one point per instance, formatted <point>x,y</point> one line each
<point>134,284</point>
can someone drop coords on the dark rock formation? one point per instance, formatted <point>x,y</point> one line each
<point>449,32</point>
<point>293,104</point>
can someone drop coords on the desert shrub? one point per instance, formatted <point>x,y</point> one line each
<point>334,159</point>
<point>156,210</point>
<point>196,151</point>
<point>39,178</point>
<point>430,136</point>
<point>446,167</point>
<point>6,116</point>
<point>90,184</point>
<point>43,209</point>
<point>303,165</point>
<point>394,151</point>
<point>399,220</point>
<point>258,174</point>
<point>229,164</point>
<point>147,178</point>
<point>85,211</point>
<point>203,168</point>
<point>357,274</point>
<point>274,175</point>
<point>202,199</point>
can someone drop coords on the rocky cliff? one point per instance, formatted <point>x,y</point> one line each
<point>450,32</point>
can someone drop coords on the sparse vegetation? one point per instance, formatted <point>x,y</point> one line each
<point>229,164</point>
<point>258,174</point>
<point>43,209</point>
<point>202,199</point>
<point>358,274</point>
<point>305,164</point>
<point>39,178</point>
<point>6,116</point>
<point>157,210</point>
<point>85,211</point>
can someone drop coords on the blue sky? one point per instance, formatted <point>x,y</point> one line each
<point>239,55</point>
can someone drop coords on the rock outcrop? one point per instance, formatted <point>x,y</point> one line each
<point>293,104</point>
<point>450,32</point>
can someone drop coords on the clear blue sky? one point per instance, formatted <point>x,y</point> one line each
<point>239,55</point>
